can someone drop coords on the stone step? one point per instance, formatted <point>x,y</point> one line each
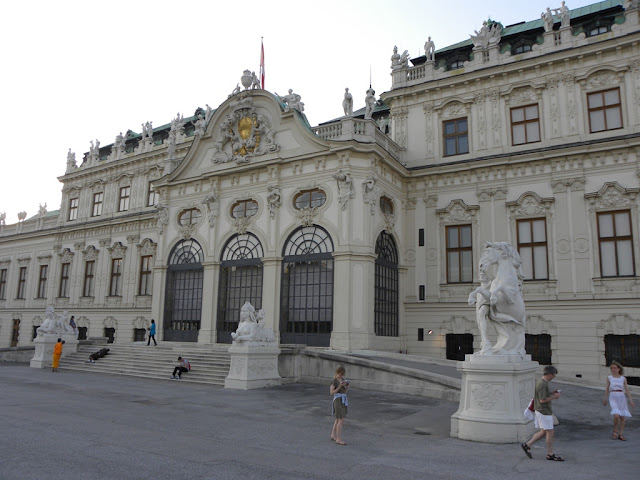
<point>209,364</point>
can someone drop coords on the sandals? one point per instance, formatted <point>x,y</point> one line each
<point>340,443</point>
<point>615,436</point>
<point>554,458</point>
<point>527,450</point>
<point>621,437</point>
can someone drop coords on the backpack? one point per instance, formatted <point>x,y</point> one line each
<point>189,366</point>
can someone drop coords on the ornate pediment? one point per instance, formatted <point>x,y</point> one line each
<point>530,204</point>
<point>90,253</point>
<point>612,195</point>
<point>65,255</point>
<point>117,250</point>
<point>457,212</point>
<point>243,133</point>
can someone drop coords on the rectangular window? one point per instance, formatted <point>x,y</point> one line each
<point>125,193</point>
<point>22,282</point>
<point>421,334</point>
<point>3,284</point>
<point>525,125</point>
<point>64,280</point>
<point>89,272</point>
<point>152,196</point>
<point>42,281</point>
<point>421,237</point>
<point>96,210</point>
<point>622,348</point>
<point>616,244</point>
<point>539,347</point>
<point>73,208</point>
<point>116,277</point>
<point>532,246</point>
<point>459,254</point>
<point>605,110</point>
<point>458,345</point>
<point>145,276</point>
<point>456,137</point>
<point>421,292</point>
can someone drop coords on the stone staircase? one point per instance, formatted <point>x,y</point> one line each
<point>209,363</point>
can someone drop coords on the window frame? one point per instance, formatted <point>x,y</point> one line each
<point>88,284</point>
<point>245,203</point>
<point>524,124</point>
<point>604,109</point>
<point>456,135</point>
<point>146,276</point>
<point>115,283</point>
<point>124,198</point>
<point>73,208</point>
<point>96,205</point>
<point>534,244</point>
<point>459,250</point>
<point>3,283</point>
<point>152,196</point>
<point>188,216</point>
<point>42,281</point>
<point>310,193</point>
<point>22,283</point>
<point>615,239</point>
<point>65,270</point>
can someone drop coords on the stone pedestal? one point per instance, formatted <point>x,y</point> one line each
<point>44,344</point>
<point>253,365</point>
<point>496,389</point>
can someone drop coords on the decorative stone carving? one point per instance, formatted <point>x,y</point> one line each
<point>487,395</point>
<point>56,324</point>
<point>292,101</point>
<point>66,256</point>
<point>147,130</point>
<point>564,184</point>
<point>399,61</point>
<point>487,36</point>
<point>430,50</point>
<point>90,253</point>
<point>307,216</point>
<point>389,222</point>
<point>104,242</point>
<point>162,217</point>
<point>273,199</point>
<point>457,212</point>
<point>241,224</point>
<point>200,125</point>
<point>499,299</point>
<point>347,103</point>
<point>251,327</point>
<point>212,202</point>
<point>147,247</point>
<point>243,134</point>
<point>603,79</point>
<point>612,195</point>
<point>370,193</point>
<point>135,238</point>
<point>187,231</point>
<point>94,152</point>
<point>71,161</point>
<point>530,204</point>
<point>117,250</point>
<point>346,190</point>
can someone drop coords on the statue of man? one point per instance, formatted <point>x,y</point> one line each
<point>547,18</point>
<point>370,103</point>
<point>395,58</point>
<point>429,50</point>
<point>347,103</point>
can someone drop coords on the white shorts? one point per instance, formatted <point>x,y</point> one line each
<point>544,421</point>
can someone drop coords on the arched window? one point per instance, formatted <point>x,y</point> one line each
<point>240,281</point>
<point>309,198</point>
<point>306,302</point>
<point>386,287</point>
<point>183,297</point>
<point>190,216</point>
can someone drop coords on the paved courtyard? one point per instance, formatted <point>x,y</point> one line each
<point>74,425</point>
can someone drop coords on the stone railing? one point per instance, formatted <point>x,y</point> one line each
<point>364,131</point>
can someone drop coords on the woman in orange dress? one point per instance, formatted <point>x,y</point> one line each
<point>57,352</point>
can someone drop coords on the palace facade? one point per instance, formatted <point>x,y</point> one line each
<point>365,233</point>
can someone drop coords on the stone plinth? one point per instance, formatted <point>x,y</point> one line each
<point>44,344</point>
<point>253,365</point>
<point>496,389</point>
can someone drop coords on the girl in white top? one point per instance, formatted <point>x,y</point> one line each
<point>615,392</point>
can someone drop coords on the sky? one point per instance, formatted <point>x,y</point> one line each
<point>75,71</point>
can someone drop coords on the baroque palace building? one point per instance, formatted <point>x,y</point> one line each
<point>364,233</point>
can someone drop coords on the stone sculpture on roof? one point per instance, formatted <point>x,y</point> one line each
<point>200,125</point>
<point>563,13</point>
<point>71,160</point>
<point>369,103</point>
<point>429,50</point>
<point>292,101</point>
<point>347,103</point>
<point>488,35</point>
<point>147,130</point>
<point>547,20</point>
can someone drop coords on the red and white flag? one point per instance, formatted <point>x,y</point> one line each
<point>261,64</point>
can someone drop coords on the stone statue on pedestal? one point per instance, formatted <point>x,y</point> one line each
<point>547,19</point>
<point>347,103</point>
<point>369,103</point>
<point>292,100</point>
<point>499,300</point>
<point>429,50</point>
<point>251,327</point>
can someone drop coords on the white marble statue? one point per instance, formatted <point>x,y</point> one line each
<point>251,327</point>
<point>347,103</point>
<point>292,101</point>
<point>71,160</point>
<point>212,202</point>
<point>208,113</point>
<point>370,192</point>
<point>255,82</point>
<point>395,59</point>
<point>55,323</point>
<point>346,190</point>
<point>162,216</point>
<point>547,19</point>
<point>563,13</point>
<point>487,36</point>
<point>22,216</point>
<point>430,50</point>
<point>147,130</point>
<point>200,125</point>
<point>369,103</point>
<point>3,218</point>
<point>499,299</point>
<point>273,199</point>
<point>42,210</point>
<point>94,151</point>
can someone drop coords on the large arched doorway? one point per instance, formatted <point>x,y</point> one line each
<point>386,287</point>
<point>183,297</point>
<point>240,282</point>
<point>306,302</point>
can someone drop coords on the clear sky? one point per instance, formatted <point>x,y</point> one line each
<point>75,71</point>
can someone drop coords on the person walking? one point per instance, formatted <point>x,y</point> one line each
<point>544,418</point>
<point>338,388</point>
<point>152,333</point>
<point>57,353</point>
<point>615,393</point>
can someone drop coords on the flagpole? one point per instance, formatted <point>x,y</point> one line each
<point>262,62</point>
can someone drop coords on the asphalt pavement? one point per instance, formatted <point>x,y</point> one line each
<point>77,425</point>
